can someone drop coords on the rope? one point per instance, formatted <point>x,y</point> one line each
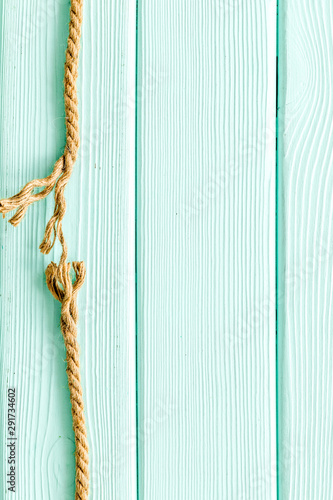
<point>58,277</point>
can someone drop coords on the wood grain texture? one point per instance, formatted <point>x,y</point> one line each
<point>305,346</point>
<point>206,250</point>
<point>99,228</point>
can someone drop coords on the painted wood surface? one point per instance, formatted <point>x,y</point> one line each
<point>305,346</point>
<point>206,250</point>
<point>99,228</point>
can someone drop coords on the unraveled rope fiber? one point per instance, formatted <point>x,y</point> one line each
<point>58,277</point>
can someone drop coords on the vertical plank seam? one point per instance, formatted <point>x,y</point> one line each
<point>277,252</point>
<point>136,253</point>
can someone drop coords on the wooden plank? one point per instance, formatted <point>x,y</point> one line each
<point>305,347</point>
<point>99,228</point>
<point>206,249</point>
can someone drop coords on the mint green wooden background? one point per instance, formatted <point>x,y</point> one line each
<point>172,205</point>
<point>305,369</point>
<point>206,251</point>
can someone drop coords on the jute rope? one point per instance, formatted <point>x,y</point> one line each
<point>58,276</point>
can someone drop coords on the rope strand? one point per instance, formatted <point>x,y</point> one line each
<point>58,277</point>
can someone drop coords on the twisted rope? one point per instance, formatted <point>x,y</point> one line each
<point>58,277</point>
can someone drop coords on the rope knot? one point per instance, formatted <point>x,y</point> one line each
<point>59,281</point>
